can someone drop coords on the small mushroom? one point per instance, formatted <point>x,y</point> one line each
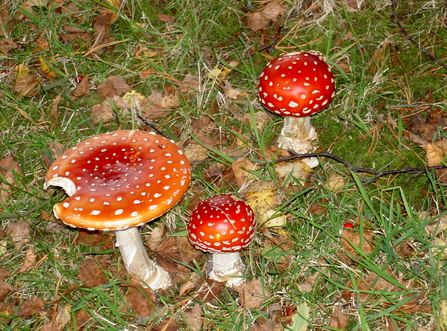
<point>297,85</point>
<point>223,225</point>
<point>119,181</point>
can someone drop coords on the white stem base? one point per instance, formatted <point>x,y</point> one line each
<point>227,267</point>
<point>136,261</point>
<point>299,135</point>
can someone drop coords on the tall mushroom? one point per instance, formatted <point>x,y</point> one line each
<point>119,181</point>
<point>297,85</point>
<point>223,225</point>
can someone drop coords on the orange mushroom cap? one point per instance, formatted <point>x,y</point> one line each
<point>119,180</point>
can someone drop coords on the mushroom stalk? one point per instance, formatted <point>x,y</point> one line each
<point>227,267</point>
<point>298,135</point>
<point>137,262</point>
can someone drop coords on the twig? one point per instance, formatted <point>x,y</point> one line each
<point>395,19</point>
<point>351,167</point>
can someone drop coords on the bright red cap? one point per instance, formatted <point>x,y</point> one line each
<point>297,84</point>
<point>119,180</point>
<point>222,224</point>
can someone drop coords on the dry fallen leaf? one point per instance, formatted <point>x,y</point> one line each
<point>177,249</point>
<point>208,291</point>
<point>439,225</point>
<point>29,260</point>
<point>91,271</point>
<point>7,45</point>
<point>99,240</point>
<point>6,21</point>
<point>63,317</point>
<point>133,98</point>
<point>436,153</point>
<point>338,319</point>
<point>261,119</point>
<point>188,252</point>
<point>165,18</point>
<point>190,284</point>
<point>269,325</point>
<point>194,317</point>
<point>352,242</point>
<point>308,285</point>
<point>233,93</point>
<point>102,25</point>
<point>108,109</point>
<point>46,69</point>
<point>141,299</point>
<point>296,169</point>
<point>4,273</point>
<point>257,21</point>
<point>19,233</point>
<point>439,247</point>
<point>195,152</point>
<point>32,306</point>
<point>253,294</point>
<point>26,84</point>
<point>363,288</point>
<point>82,89</point>
<point>335,182</point>
<point>166,325</point>
<point>82,317</point>
<point>273,10</point>
<point>112,86</point>
<point>241,169</point>
<point>156,105</point>
<point>8,169</point>
<point>156,238</point>
<point>8,310</point>
<point>221,73</point>
<point>260,195</point>
<point>170,99</point>
<point>5,289</point>
<point>189,83</point>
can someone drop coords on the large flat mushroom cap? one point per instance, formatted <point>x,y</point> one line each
<point>119,180</point>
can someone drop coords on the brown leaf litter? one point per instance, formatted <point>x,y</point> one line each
<point>141,299</point>
<point>194,317</point>
<point>111,86</point>
<point>20,234</point>
<point>252,294</point>
<point>91,272</point>
<point>9,168</point>
<point>354,243</point>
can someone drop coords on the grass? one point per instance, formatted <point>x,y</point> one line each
<point>382,81</point>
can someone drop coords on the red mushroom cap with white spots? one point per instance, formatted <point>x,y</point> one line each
<point>119,180</point>
<point>221,224</point>
<point>297,84</point>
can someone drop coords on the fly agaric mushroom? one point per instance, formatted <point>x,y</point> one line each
<point>297,85</point>
<point>223,225</point>
<point>119,181</point>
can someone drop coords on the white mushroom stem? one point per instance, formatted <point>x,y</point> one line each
<point>227,267</point>
<point>298,135</point>
<point>129,242</point>
<point>137,262</point>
